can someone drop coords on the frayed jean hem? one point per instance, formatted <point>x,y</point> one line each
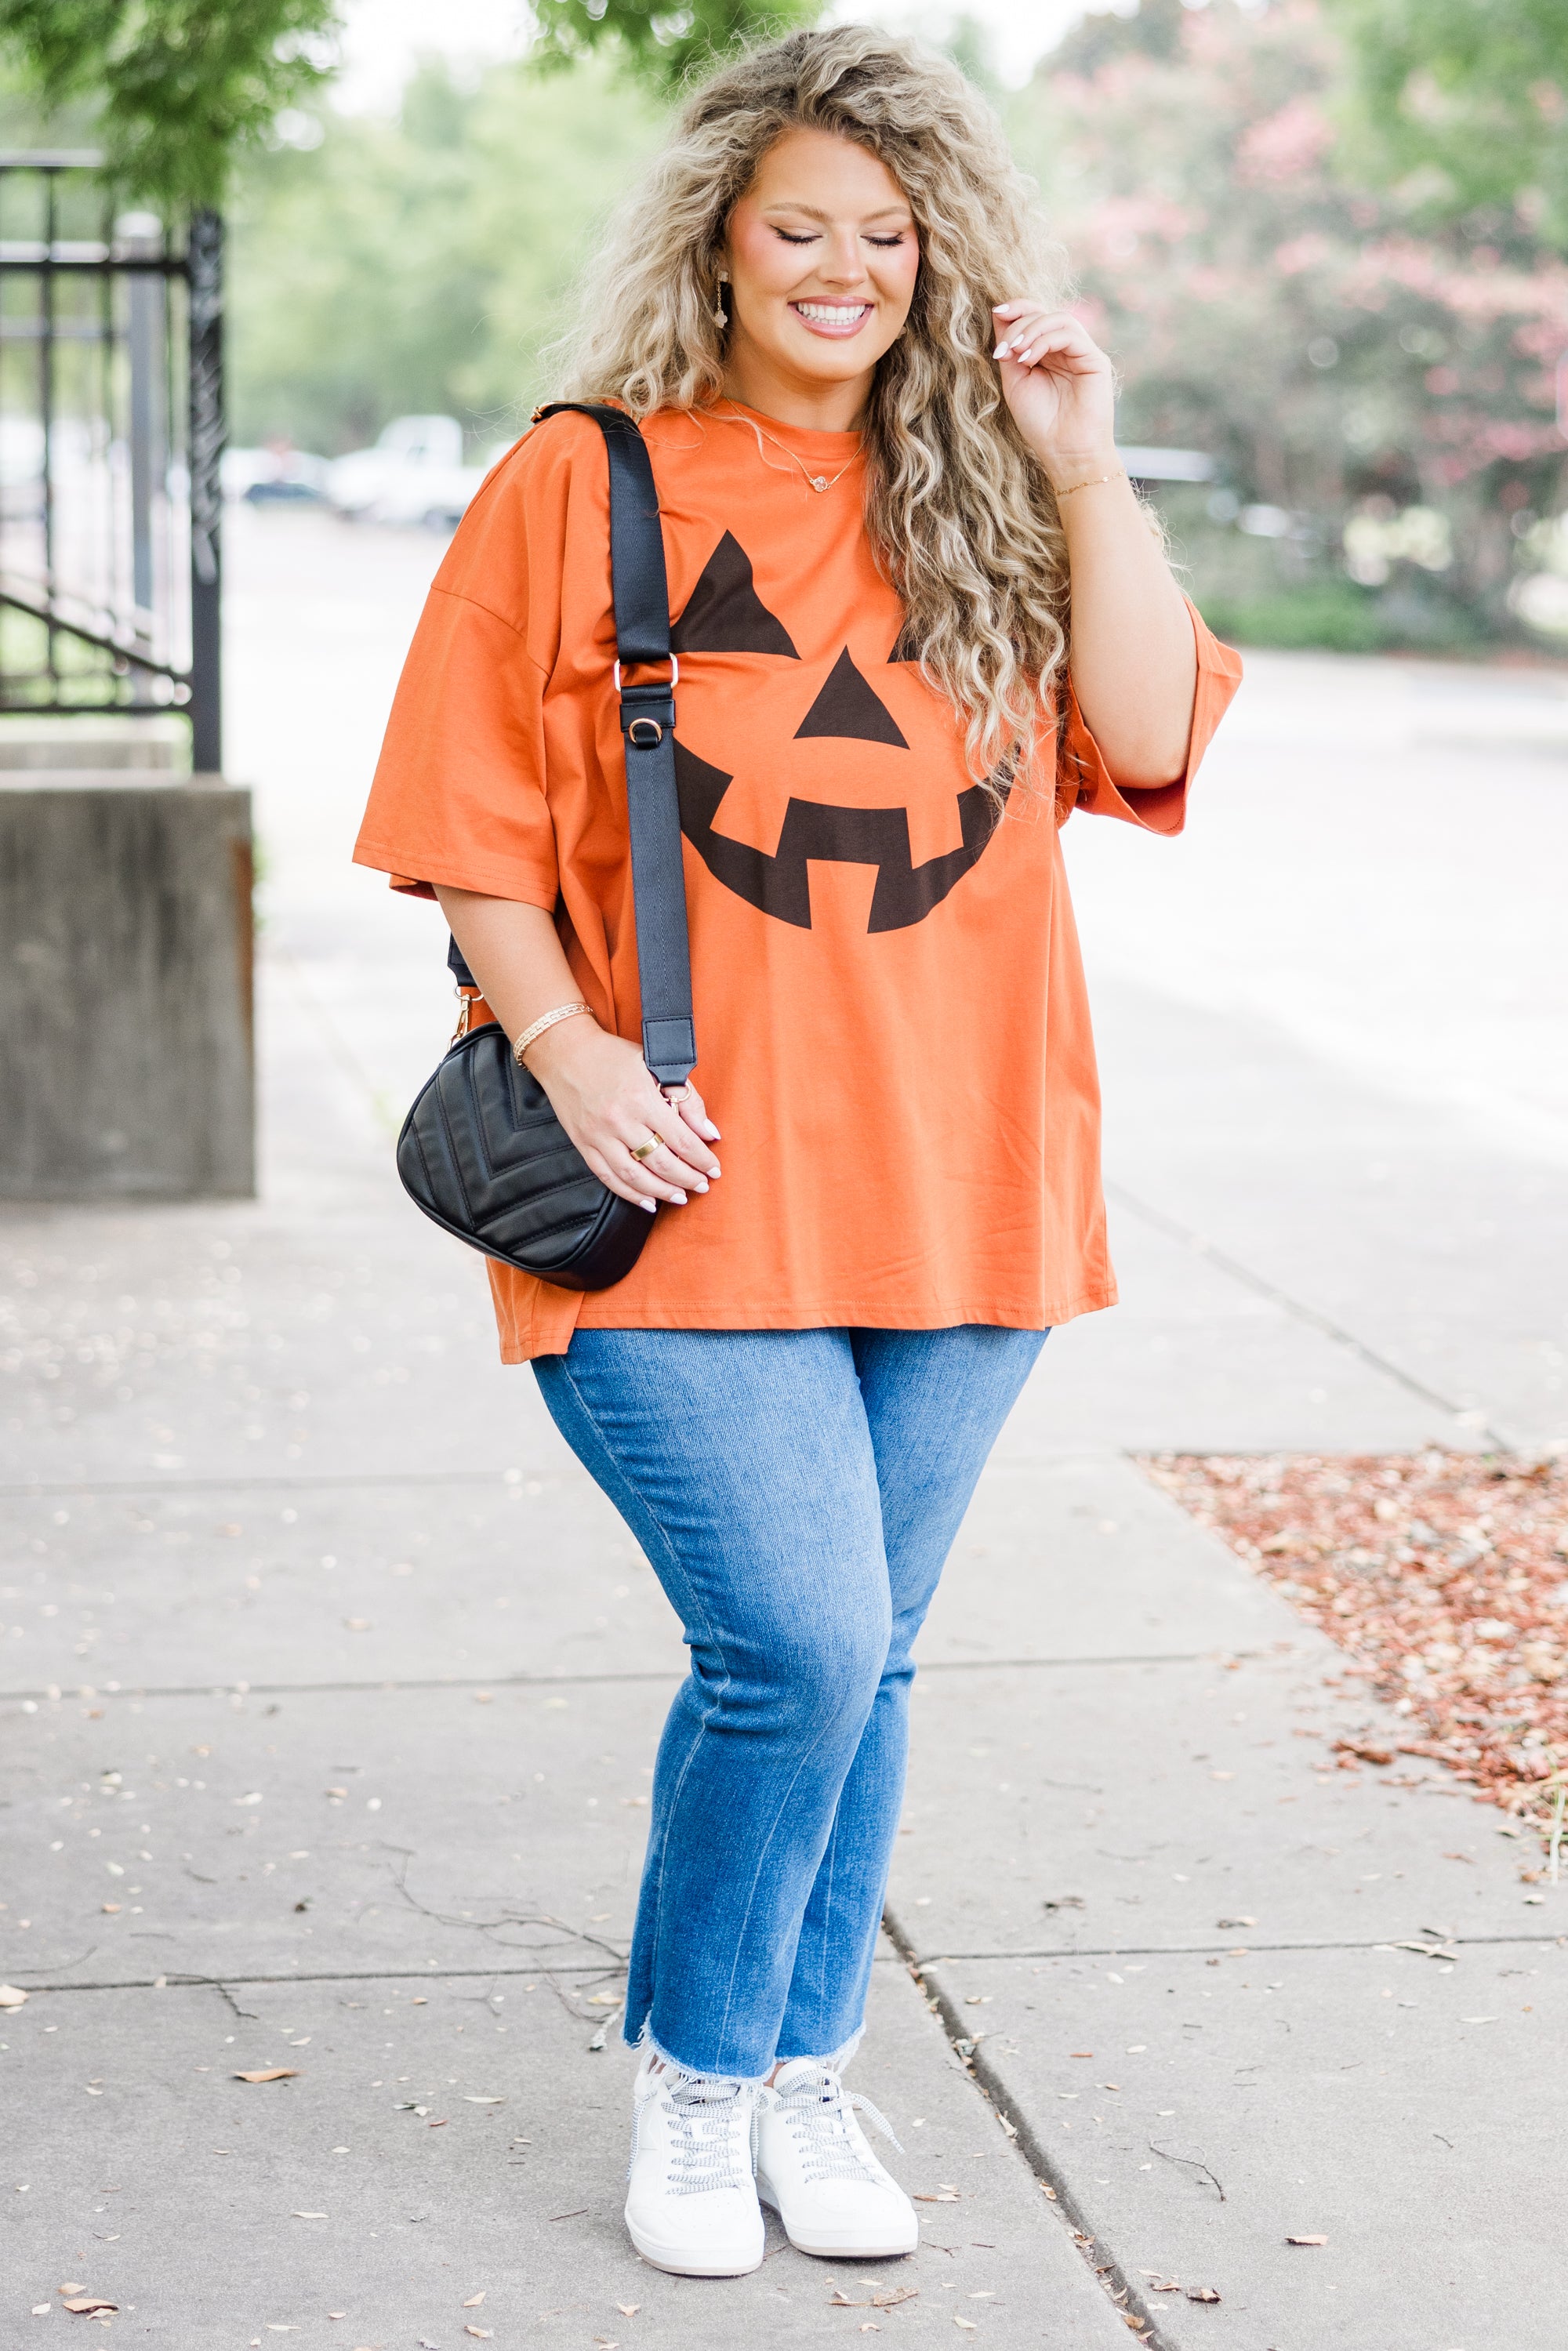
<point>642,2041</point>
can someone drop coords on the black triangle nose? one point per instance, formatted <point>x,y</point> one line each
<point>849,707</point>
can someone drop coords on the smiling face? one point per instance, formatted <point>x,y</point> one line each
<point>822,256</point>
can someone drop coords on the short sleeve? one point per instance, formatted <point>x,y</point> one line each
<point>1083,780</point>
<point>459,789</point>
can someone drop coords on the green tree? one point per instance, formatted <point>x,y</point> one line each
<point>1465,103</point>
<point>172,88</point>
<point>665,48</point>
<point>418,264</point>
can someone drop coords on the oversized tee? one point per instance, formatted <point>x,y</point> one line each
<point>890,1018</point>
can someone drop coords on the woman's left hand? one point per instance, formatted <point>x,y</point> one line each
<point>1060,386</point>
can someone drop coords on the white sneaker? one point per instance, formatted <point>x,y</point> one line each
<point>815,2168</point>
<point>691,2202</point>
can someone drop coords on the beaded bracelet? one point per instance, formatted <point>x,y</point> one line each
<point>546,1020</point>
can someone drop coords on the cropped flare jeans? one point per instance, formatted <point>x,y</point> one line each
<point>797,1493</point>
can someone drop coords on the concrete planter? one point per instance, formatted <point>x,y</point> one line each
<point>126,1045</point>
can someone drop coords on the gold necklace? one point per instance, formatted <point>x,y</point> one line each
<point>816,481</point>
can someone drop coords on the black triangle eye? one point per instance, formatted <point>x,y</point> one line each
<point>724,614</point>
<point>848,706</point>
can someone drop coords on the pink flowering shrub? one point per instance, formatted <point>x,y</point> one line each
<point>1338,360</point>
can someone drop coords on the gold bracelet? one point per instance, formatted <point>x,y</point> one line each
<point>1088,485</point>
<point>546,1020</point>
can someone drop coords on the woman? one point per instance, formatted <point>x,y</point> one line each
<point>921,615</point>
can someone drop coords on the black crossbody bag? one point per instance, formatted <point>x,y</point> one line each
<point>482,1152</point>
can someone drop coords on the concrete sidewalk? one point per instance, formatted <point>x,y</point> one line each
<point>328,1719</point>
<point>330,1689</point>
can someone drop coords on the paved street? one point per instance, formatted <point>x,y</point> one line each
<point>332,1684</point>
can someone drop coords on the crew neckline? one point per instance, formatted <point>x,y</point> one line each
<point>803,438</point>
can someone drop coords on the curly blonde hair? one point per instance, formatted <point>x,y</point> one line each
<point>960,513</point>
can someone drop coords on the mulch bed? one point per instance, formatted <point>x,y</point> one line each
<point>1444,1575</point>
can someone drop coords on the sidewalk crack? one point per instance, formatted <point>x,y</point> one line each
<point>1125,2294</point>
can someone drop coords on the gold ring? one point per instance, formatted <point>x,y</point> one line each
<point>646,1150</point>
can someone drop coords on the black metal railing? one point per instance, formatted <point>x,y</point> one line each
<point>111,436</point>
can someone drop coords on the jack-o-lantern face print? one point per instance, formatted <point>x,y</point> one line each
<point>803,720</point>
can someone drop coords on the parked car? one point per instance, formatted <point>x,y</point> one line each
<point>276,474</point>
<point>415,474</point>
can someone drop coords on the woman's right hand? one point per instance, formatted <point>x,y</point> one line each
<point>609,1102</point>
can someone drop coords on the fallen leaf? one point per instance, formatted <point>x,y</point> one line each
<point>1477,2020</point>
<point>1368,1754</point>
<point>307,2216</point>
<point>1236,1922</point>
<point>966,2323</point>
<point>84,2306</point>
<point>11,1997</point>
<point>42,2309</point>
<point>943,2196</point>
<point>628,2309</point>
<point>1306,2241</point>
<point>470,2100</point>
<point>109,1907</point>
<point>881,2297</point>
<point>1202,2293</point>
<point>483,2334</point>
<point>472,2301</point>
<point>269,2074</point>
<point>68,2288</point>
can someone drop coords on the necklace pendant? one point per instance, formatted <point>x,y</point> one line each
<point>819,481</point>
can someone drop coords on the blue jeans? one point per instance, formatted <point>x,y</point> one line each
<point>797,1493</point>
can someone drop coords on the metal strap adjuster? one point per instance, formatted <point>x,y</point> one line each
<point>674,660</point>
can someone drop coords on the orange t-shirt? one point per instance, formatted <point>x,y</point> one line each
<point>891,1017</point>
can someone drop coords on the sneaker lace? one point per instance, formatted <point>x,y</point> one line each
<point>710,2136</point>
<point>819,2114</point>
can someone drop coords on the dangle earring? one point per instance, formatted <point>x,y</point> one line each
<point>720,315</point>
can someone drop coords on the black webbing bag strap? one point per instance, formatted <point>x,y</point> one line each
<point>648,732</point>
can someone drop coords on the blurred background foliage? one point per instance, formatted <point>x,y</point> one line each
<point>385,267</point>
<point>1325,240</point>
<point>1371,359</point>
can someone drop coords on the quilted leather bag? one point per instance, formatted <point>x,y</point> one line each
<point>482,1152</point>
